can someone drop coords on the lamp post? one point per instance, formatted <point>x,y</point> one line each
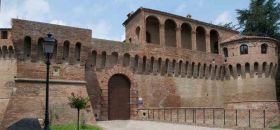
<point>48,47</point>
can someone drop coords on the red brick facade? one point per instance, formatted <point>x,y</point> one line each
<point>171,61</point>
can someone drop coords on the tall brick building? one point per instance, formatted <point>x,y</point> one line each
<point>166,60</point>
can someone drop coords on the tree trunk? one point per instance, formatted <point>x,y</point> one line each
<point>78,127</point>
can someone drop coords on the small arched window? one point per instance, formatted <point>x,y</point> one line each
<point>93,56</point>
<point>159,64</point>
<point>264,67</point>
<point>78,51</point>
<point>173,66</point>
<point>230,70</point>
<point>152,64</point>
<point>264,48</point>
<point>256,67</point>
<point>5,51</point>
<point>166,66</point>
<point>247,68</point>
<point>144,64</point>
<point>186,67</point>
<point>114,58</point>
<point>225,52</point>
<point>126,60</point>
<point>136,62</point>
<point>40,51</point>
<point>137,31</point>
<point>180,67</point>
<point>238,66</point>
<point>66,50</point>
<point>243,49</point>
<point>11,51</point>
<point>103,59</point>
<point>27,46</point>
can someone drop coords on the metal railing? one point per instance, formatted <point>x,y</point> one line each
<point>248,118</point>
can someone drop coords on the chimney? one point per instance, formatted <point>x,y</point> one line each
<point>129,14</point>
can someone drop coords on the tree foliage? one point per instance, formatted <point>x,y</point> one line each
<point>78,102</point>
<point>229,25</point>
<point>262,18</point>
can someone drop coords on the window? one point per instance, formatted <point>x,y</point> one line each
<point>66,50</point>
<point>138,32</point>
<point>264,48</point>
<point>78,51</point>
<point>243,49</point>
<point>27,46</point>
<point>4,35</point>
<point>225,52</point>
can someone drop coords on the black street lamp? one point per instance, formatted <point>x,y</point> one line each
<point>48,47</point>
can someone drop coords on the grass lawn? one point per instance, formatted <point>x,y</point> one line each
<point>277,127</point>
<point>73,127</point>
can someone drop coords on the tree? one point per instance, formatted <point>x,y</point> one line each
<point>79,103</point>
<point>229,25</point>
<point>262,19</point>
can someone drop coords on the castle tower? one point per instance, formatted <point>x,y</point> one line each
<point>23,72</point>
<point>251,64</point>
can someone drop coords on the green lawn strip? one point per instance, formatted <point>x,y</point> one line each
<point>73,127</point>
<point>276,127</point>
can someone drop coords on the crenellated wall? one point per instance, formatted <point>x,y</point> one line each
<point>170,61</point>
<point>67,74</point>
<point>251,63</point>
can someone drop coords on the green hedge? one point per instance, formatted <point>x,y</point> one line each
<point>73,127</point>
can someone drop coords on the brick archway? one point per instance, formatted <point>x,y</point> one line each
<point>104,82</point>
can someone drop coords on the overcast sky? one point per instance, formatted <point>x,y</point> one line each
<point>105,17</point>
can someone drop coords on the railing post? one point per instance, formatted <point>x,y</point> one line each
<point>148,114</point>
<point>213,116</point>
<point>164,114</point>
<point>177,114</point>
<point>185,115</point>
<point>224,117</point>
<point>193,115</point>
<point>171,114</point>
<point>236,117</point>
<point>249,118</point>
<point>159,114</point>
<point>153,114</point>
<point>203,115</point>
<point>263,118</point>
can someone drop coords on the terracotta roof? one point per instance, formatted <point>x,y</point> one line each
<point>244,37</point>
<point>175,16</point>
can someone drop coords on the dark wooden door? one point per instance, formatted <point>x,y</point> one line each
<point>119,91</point>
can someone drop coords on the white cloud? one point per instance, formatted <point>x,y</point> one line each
<point>28,9</point>
<point>181,8</point>
<point>101,29</point>
<point>36,9</point>
<point>59,22</point>
<point>223,18</point>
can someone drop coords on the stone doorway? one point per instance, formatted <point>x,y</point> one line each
<point>119,98</point>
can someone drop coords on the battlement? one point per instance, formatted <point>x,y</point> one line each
<point>28,36</point>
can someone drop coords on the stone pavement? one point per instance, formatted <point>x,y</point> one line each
<point>148,125</point>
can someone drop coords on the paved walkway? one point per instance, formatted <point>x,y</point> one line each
<point>148,125</point>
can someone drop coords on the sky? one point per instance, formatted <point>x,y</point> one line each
<point>105,17</point>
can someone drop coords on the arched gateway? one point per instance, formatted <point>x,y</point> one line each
<point>119,97</point>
